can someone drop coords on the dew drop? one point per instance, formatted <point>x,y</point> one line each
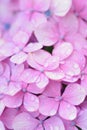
<point>52,112</point>
<point>31,108</point>
<point>76,66</point>
<point>56,128</point>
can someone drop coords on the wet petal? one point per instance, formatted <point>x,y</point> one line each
<point>24,121</point>
<point>2,127</point>
<point>82,119</point>
<point>63,50</point>
<point>56,74</point>
<point>13,101</point>
<point>29,76</point>
<point>33,88</point>
<point>31,102</point>
<point>67,111</point>
<point>42,81</point>
<point>41,5</point>
<point>53,89</point>
<point>31,47</point>
<point>76,94</point>
<point>60,8</point>
<point>47,33</point>
<point>54,123</point>
<point>19,58</point>
<point>48,106</point>
<point>8,117</point>
<point>2,107</point>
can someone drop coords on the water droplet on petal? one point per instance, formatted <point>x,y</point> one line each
<point>76,66</point>
<point>56,128</point>
<point>70,73</point>
<point>53,112</point>
<point>31,109</point>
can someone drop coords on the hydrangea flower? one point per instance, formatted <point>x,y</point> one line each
<point>43,65</point>
<point>64,104</point>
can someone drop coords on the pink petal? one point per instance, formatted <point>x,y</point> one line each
<point>6,73</point>
<point>42,81</point>
<point>40,56</point>
<point>24,121</point>
<point>31,47</point>
<point>2,106</point>
<point>36,61</point>
<point>25,4</point>
<point>63,50</point>
<point>82,28</point>
<point>41,5</point>
<point>31,102</point>
<point>7,49</point>
<point>83,105</point>
<point>47,33</point>
<point>76,94</point>
<point>60,8</point>
<point>8,117</point>
<point>66,22</point>
<point>1,68</point>
<point>53,89</point>
<point>21,38</point>
<point>78,38</point>
<point>40,127</point>
<point>84,82</point>
<point>79,5</point>
<point>70,125</point>
<point>2,127</point>
<point>54,123</point>
<point>29,76</point>
<point>19,58</point>
<point>33,63</point>
<point>82,119</point>
<point>33,88</point>
<point>37,19</point>
<point>16,71</point>
<point>13,101</point>
<point>57,74</point>
<point>13,88</point>
<point>48,106</point>
<point>3,85</point>
<point>51,63</point>
<point>67,111</point>
<point>74,64</point>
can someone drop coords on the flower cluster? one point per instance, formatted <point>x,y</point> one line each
<point>43,64</point>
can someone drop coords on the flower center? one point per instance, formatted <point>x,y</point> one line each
<point>47,13</point>
<point>73,123</point>
<point>58,98</point>
<point>7,26</point>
